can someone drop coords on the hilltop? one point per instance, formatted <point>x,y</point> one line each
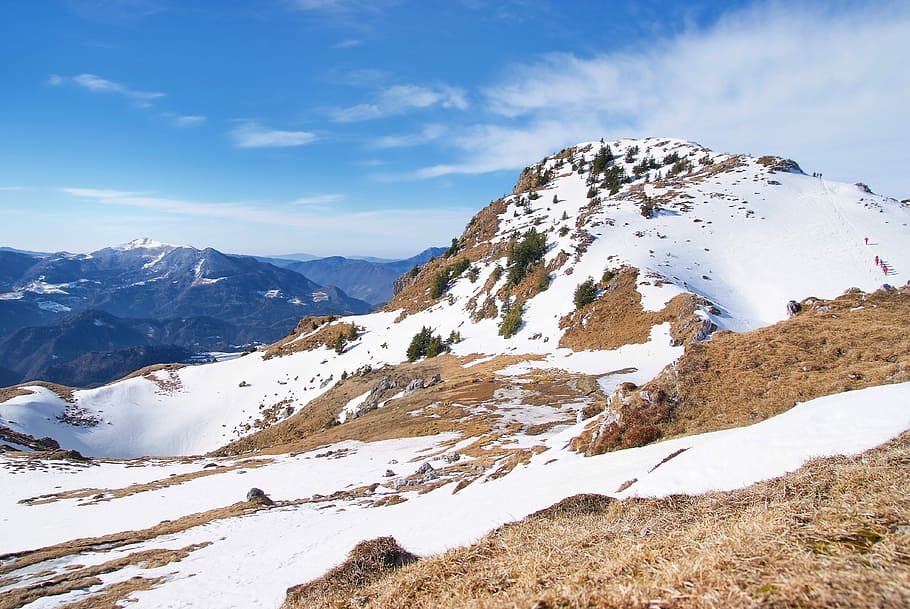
<point>638,318</point>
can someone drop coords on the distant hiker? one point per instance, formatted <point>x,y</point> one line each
<point>867,240</point>
<point>876,261</point>
<point>885,269</point>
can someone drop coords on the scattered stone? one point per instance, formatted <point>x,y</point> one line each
<point>437,378</point>
<point>426,468</point>
<point>793,308</point>
<point>243,384</point>
<point>705,330</point>
<point>385,383</point>
<point>452,457</point>
<point>389,473</point>
<point>393,462</point>
<point>414,385</point>
<point>256,495</point>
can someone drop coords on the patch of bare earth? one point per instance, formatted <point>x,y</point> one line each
<point>63,392</point>
<point>835,533</point>
<point>855,341</point>
<point>617,318</point>
<point>310,333</point>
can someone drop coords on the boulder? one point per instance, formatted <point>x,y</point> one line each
<point>256,495</point>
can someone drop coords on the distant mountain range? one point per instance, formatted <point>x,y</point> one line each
<point>366,279</point>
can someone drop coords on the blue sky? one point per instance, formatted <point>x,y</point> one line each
<point>379,128</point>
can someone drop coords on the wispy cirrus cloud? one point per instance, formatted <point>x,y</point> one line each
<point>399,99</point>
<point>184,120</point>
<point>319,199</point>
<point>804,82</point>
<point>250,134</point>
<point>429,133</point>
<point>96,84</point>
<point>331,229</point>
<point>348,43</point>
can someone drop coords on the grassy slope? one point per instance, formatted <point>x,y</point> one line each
<point>834,533</point>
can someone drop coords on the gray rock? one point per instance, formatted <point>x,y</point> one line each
<point>437,378</point>
<point>705,330</point>
<point>426,468</point>
<point>256,495</point>
<point>389,473</point>
<point>793,308</point>
<point>414,385</point>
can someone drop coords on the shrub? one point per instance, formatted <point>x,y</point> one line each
<point>440,284</point>
<point>460,266</point>
<point>511,320</point>
<point>473,274</point>
<point>524,254</point>
<point>425,344</point>
<point>453,249</point>
<point>607,277</point>
<point>631,153</point>
<point>585,293</point>
<point>339,344</point>
<point>543,281</point>
<point>563,231</point>
<point>352,333</point>
<point>496,274</point>
<point>602,159</point>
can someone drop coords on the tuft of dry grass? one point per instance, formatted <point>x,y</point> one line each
<point>367,562</point>
<point>835,533</point>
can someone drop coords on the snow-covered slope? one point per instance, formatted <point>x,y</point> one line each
<point>746,234</point>
<point>743,235</point>
<point>249,560</point>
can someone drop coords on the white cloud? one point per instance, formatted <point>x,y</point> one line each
<point>826,87</point>
<point>429,133</point>
<point>54,80</point>
<point>347,44</point>
<point>399,99</point>
<point>319,199</point>
<point>251,134</point>
<point>334,230</point>
<point>96,84</point>
<point>184,120</point>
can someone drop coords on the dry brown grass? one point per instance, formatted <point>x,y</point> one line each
<point>617,318</point>
<point>367,562</point>
<point>310,333</point>
<point>64,392</point>
<point>83,577</point>
<point>314,426</point>
<point>835,533</point>
<point>739,379</point>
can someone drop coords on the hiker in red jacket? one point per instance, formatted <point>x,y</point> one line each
<point>867,240</point>
<point>876,261</point>
<point>885,269</point>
